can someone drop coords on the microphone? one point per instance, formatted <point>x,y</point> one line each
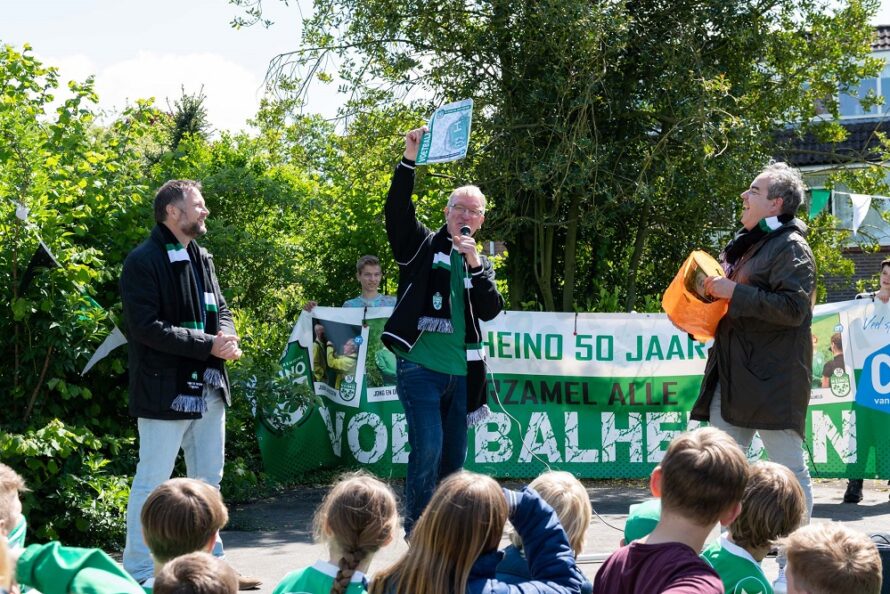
<point>465,232</point>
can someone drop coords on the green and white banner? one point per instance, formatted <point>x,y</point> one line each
<point>599,395</point>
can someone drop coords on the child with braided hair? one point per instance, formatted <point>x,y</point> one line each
<point>356,518</point>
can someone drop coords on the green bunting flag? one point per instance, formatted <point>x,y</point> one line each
<point>818,201</point>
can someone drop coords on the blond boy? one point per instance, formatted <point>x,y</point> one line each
<point>369,274</point>
<point>12,523</point>
<point>50,568</point>
<point>701,481</point>
<point>829,558</point>
<point>772,507</point>
<point>569,499</point>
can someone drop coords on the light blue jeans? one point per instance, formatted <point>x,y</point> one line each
<point>783,447</point>
<point>203,444</point>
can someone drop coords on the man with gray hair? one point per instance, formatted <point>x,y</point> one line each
<point>759,369</point>
<point>445,288</point>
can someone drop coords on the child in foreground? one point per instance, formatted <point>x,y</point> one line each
<point>701,481</point>
<point>5,568</point>
<point>51,568</point>
<point>357,517</point>
<point>772,507</point>
<point>454,544</point>
<point>569,499</point>
<point>13,524</point>
<point>181,516</point>
<point>196,573</point>
<point>829,558</point>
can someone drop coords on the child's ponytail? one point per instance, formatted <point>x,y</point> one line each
<point>348,562</point>
<point>357,517</point>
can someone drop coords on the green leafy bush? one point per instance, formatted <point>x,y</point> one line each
<point>79,482</point>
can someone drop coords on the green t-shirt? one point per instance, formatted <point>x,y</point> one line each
<point>56,569</point>
<point>318,579</point>
<point>641,519</point>
<point>445,353</point>
<point>818,364</point>
<point>738,570</point>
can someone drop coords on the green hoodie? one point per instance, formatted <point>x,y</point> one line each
<point>56,569</point>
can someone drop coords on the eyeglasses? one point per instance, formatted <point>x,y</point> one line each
<point>460,209</point>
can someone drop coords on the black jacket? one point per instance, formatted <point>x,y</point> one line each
<point>763,352</point>
<point>155,341</point>
<point>410,241</point>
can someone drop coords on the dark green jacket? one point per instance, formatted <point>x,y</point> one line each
<point>763,352</point>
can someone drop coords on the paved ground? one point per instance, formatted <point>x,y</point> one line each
<point>268,539</point>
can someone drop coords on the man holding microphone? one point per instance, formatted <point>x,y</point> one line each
<point>445,288</point>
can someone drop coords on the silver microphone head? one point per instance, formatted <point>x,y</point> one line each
<point>464,230</point>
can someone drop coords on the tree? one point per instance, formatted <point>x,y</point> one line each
<point>292,208</point>
<point>81,186</point>
<point>613,137</point>
<point>83,190</point>
<point>189,116</point>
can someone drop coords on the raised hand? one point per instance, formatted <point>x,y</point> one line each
<point>412,142</point>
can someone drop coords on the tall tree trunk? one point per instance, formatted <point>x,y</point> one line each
<point>15,296</point>
<point>636,257</point>
<point>571,250</point>
<point>516,276</point>
<point>544,254</point>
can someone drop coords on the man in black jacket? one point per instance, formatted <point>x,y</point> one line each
<point>759,370</point>
<point>445,288</point>
<point>180,333</point>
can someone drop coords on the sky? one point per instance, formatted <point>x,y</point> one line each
<point>139,49</point>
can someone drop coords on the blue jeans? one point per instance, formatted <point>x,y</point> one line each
<point>436,412</point>
<point>203,444</point>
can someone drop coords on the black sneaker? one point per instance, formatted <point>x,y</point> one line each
<point>853,494</point>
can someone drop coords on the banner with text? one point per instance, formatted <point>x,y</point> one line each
<point>598,395</point>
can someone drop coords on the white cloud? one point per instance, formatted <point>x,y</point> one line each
<point>882,17</point>
<point>233,92</point>
<point>74,67</point>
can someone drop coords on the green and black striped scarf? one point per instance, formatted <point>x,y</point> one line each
<point>436,317</point>
<point>739,245</point>
<point>197,310</point>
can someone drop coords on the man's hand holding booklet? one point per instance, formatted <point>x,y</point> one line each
<point>687,302</point>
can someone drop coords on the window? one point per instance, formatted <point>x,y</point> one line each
<point>874,227</point>
<point>849,105</point>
